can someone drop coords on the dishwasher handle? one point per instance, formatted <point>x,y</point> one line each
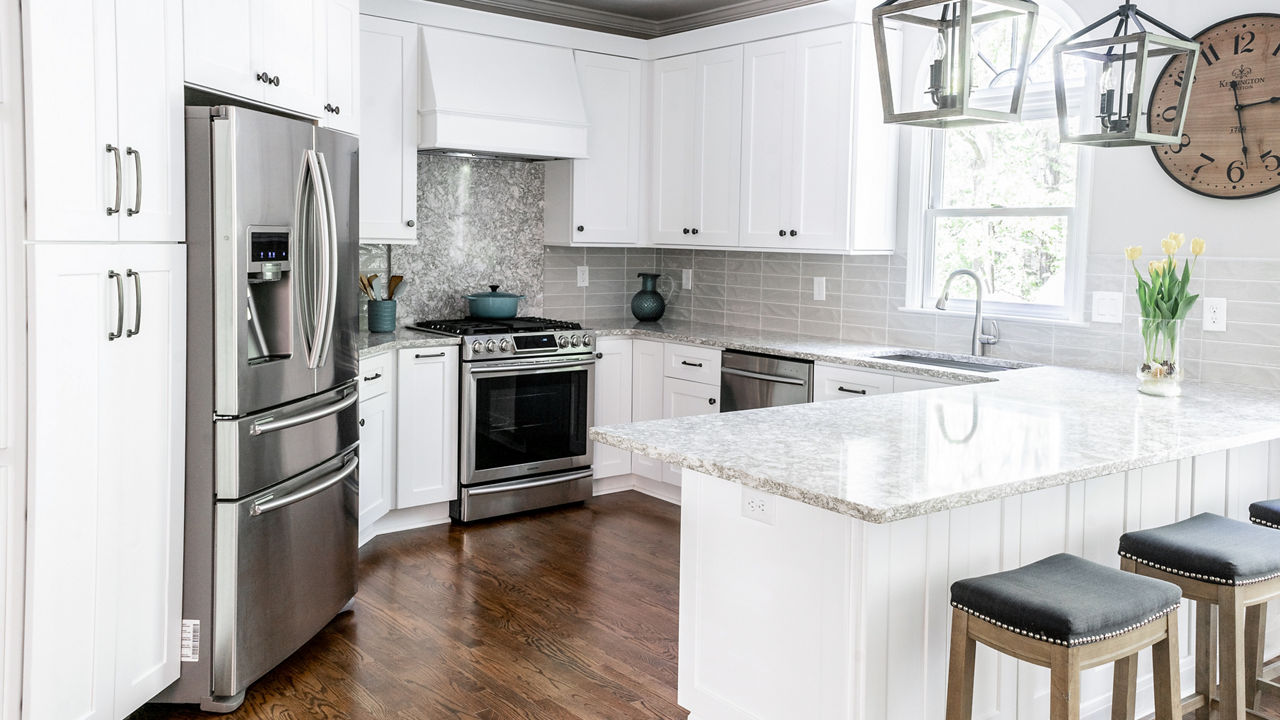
<point>763,376</point>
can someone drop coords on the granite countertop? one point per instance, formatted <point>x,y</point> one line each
<point>370,344</point>
<point>892,457</point>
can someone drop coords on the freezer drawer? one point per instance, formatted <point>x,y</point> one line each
<point>284,566</point>
<point>260,450</point>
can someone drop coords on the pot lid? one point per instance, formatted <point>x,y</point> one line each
<point>493,293</point>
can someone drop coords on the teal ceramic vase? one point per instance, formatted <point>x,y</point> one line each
<point>648,305</point>
<point>382,316</point>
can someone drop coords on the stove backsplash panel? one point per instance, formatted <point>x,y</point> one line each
<point>479,223</point>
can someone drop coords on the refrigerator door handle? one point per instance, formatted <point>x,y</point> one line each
<point>270,502</point>
<point>323,296</point>
<point>272,424</point>
<point>303,296</point>
<point>329,226</point>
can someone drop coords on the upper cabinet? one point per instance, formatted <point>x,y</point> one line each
<point>275,52</point>
<point>697,129</point>
<point>389,120</point>
<point>342,76</point>
<point>104,100</point>
<point>597,200</point>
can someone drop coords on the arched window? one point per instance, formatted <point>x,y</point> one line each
<point>1004,200</point>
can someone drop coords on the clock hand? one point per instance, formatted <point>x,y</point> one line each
<point>1244,146</point>
<point>1272,101</point>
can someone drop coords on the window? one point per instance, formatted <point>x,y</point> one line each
<point>1002,200</point>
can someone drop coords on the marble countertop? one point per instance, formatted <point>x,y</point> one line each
<point>370,344</point>
<point>892,457</point>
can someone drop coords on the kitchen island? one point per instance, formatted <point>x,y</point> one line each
<point>819,542</point>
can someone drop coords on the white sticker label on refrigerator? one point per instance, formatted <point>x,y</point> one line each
<point>190,641</point>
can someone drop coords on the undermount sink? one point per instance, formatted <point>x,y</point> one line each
<point>979,365</point>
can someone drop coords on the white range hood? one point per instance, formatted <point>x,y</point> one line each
<point>492,96</point>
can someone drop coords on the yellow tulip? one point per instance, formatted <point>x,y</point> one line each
<point>1169,245</point>
<point>1197,247</point>
<point>1157,267</point>
<point>1178,238</point>
<point>1133,252</point>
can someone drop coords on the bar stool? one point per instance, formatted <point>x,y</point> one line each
<point>1267,514</point>
<point>1067,614</point>
<point>1222,562</point>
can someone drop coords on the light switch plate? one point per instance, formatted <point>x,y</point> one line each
<point>686,279</point>
<point>819,288</point>
<point>1215,314</point>
<point>584,276</point>
<point>1108,307</point>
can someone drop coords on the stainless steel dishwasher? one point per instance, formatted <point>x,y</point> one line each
<point>749,381</point>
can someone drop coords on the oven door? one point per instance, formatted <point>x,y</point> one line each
<point>525,418</point>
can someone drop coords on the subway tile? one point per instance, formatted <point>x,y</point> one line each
<point>738,292</point>
<point>610,286</point>
<point>747,321</point>
<point>1254,269</point>
<point>1101,337</point>
<point>711,317</point>
<point>1243,290</point>
<point>777,324</point>
<point>780,282</point>
<point>908,338</point>
<point>715,291</point>
<point>561,288</point>
<point>775,266</point>
<point>702,261</point>
<point>572,314</point>
<point>1113,264</point>
<point>750,266</point>
<point>780,310</point>
<point>1089,358</point>
<point>865,302</point>
<point>1222,372</point>
<point>826,266</point>
<point>748,280</point>
<point>865,287</point>
<point>1252,312</point>
<point>865,272</point>
<point>701,304</point>
<point>850,316</point>
<point>1021,352</point>
<point>789,297</point>
<point>742,307</point>
<point>703,277</point>
<point>863,334</point>
<point>817,328</point>
<point>820,314</point>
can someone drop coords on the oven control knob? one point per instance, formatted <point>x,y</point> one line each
<point>504,345</point>
<point>477,347</point>
<point>586,341</point>
<point>564,341</point>
<point>490,346</point>
<point>575,341</point>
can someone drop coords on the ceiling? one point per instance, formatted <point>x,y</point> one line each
<point>634,18</point>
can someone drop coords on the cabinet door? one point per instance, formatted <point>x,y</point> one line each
<point>72,506</point>
<point>683,398</point>
<point>674,145</point>
<point>767,103</point>
<point>221,46</point>
<point>427,426</point>
<point>377,456</point>
<point>647,359</point>
<point>718,147</point>
<point>341,109</point>
<point>821,142</point>
<point>149,58</point>
<point>293,52</point>
<point>72,178</point>
<point>606,186</point>
<point>613,403</point>
<point>389,120</point>
<point>145,421</point>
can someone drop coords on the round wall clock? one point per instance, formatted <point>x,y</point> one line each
<point>1231,140</point>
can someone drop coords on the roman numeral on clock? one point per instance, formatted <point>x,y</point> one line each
<point>1210,50</point>
<point>1276,52</point>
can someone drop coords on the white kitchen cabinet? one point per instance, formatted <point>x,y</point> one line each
<point>426,426</point>
<point>911,384</point>
<point>389,124</point>
<point>268,51</point>
<point>597,200</point>
<point>377,458</point>
<point>684,398</point>
<point>105,112</point>
<point>697,363</point>
<point>840,382</point>
<point>341,109</point>
<point>612,403</point>
<point>105,510</point>
<point>796,141</point>
<point>697,151</point>
<point>647,357</point>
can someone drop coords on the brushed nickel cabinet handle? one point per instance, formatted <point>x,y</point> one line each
<point>113,209</point>
<point>137,302</point>
<point>113,275</point>
<point>137,190</point>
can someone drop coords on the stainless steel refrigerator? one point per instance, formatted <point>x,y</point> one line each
<point>272,427</point>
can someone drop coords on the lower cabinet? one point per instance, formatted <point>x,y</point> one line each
<point>426,426</point>
<point>377,457</point>
<point>685,398</point>
<point>612,403</point>
<point>107,331</point>
<point>839,382</point>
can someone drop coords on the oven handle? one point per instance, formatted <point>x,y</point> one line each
<point>492,489</point>
<point>506,367</point>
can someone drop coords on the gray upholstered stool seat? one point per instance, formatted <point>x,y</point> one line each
<point>1066,600</point>
<point>1266,512</point>
<point>1209,548</point>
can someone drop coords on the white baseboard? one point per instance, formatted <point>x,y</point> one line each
<point>639,483</point>
<point>407,519</point>
<point>617,483</point>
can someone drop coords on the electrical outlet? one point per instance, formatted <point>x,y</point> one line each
<point>757,506</point>
<point>686,279</point>
<point>819,288</point>
<point>584,276</point>
<point>1108,307</point>
<point>1215,314</point>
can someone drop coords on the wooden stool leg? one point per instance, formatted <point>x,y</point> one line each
<point>960,670</point>
<point>1064,684</point>
<point>1255,632</point>
<point>1231,622</point>
<point>1168,673</point>
<point>1124,688</point>
<point>1206,657</point>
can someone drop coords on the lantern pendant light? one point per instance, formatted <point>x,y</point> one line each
<point>979,51</point>
<point>1117,75</point>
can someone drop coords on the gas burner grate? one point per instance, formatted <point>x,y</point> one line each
<point>486,326</point>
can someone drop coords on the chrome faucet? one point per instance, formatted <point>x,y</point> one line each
<point>980,339</point>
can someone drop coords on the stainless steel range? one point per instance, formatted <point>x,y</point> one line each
<point>527,397</point>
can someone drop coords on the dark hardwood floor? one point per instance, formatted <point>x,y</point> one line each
<point>567,614</point>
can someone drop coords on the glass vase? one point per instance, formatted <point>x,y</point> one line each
<point>1160,373</point>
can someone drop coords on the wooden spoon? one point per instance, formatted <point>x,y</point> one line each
<point>366,287</point>
<point>395,283</point>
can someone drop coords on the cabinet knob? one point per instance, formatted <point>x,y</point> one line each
<point>410,223</point>
<point>686,231</point>
<point>711,401</point>
<point>337,109</point>
<point>782,233</point>
<point>263,77</point>
<point>275,80</point>
<point>361,422</point>
<point>581,228</point>
<point>794,233</point>
<point>695,231</point>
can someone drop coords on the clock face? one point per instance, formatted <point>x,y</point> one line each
<point>1230,148</point>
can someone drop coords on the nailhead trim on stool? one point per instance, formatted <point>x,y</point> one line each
<point>1197,576</point>
<point>1076,643</point>
<point>1264,523</point>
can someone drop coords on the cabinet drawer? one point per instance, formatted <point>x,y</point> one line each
<point>832,382</point>
<point>375,376</point>
<point>693,363</point>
